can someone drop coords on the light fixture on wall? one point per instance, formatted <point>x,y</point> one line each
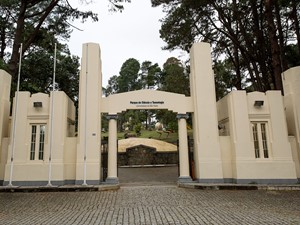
<point>258,103</point>
<point>37,104</point>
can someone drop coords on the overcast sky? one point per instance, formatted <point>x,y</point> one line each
<point>134,33</point>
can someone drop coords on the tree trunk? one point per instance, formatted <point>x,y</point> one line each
<point>275,49</point>
<point>238,82</point>
<point>19,38</point>
<point>3,42</point>
<point>296,22</point>
<point>281,37</point>
<point>12,66</point>
<point>262,53</point>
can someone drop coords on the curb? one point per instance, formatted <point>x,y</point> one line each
<point>239,187</point>
<point>66,188</point>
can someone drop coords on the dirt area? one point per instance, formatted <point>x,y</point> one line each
<point>159,145</point>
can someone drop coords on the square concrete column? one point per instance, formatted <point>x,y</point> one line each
<point>240,133</point>
<point>112,176</point>
<point>89,114</point>
<point>5,82</point>
<point>207,152</point>
<point>184,172</point>
<point>291,84</point>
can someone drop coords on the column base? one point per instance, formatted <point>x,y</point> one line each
<point>186,179</point>
<point>112,180</point>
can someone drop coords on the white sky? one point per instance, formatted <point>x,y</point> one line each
<point>134,33</point>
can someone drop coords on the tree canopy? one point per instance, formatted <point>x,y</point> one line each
<point>173,77</point>
<point>38,25</point>
<point>256,37</point>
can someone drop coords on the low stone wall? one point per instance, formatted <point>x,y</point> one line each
<point>145,155</point>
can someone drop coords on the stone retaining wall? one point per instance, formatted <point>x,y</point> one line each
<point>145,155</point>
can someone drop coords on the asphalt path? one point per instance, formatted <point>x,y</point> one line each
<point>148,175</point>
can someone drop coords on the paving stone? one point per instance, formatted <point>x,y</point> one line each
<point>151,205</point>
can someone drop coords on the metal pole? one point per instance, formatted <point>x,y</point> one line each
<point>52,114</point>
<point>15,119</point>
<point>85,116</point>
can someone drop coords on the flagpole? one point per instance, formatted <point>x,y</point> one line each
<point>15,119</point>
<point>51,116</point>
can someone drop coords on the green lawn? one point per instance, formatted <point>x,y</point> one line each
<point>171,137</point>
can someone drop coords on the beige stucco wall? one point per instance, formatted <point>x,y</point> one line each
<point>291,86</point>
<point>146,99</point>
<point>223,117</point>
<point>225,143</point>
<point>70,159</point>
<point>221,155</point>
<point>238,110</point>
<point>5,82</point>
<point>207,150</point>
<point>3,157</point>
<point>295,154</point>
<point>89,114</point>
<point>26,171</point>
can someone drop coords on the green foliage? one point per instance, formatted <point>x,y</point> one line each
<point>104,122</point>
<point>37,25</point>
<point>172,137</point>
<point>172,126</point>
<point>293,55</point>
<point>113,86</point>
<point>165,117</point>
<point>252,35</point>
<point>174,78</point>
<point>134,76</point>
<point>150,74</point>
<point>138,128</point>
<point>225,78</point>
<point>3,65</point>
<point>117,5</point>
<point>129,74</point>
<point>37,73</point>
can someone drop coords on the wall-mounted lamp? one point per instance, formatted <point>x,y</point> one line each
<point>258,103</point>
<point>37,104</point>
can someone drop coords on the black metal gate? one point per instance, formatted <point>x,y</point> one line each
<point>191,157</point>
<point>104,158</point>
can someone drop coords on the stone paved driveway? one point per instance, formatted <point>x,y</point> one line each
<point>151,205</point>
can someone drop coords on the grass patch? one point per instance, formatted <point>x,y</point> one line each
<point>171,138</point>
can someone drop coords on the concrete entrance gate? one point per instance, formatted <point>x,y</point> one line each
<point>257,143</point>
<point>201,104</point>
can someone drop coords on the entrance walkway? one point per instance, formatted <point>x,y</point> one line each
<point>154,205</point>
<point>148,175</point>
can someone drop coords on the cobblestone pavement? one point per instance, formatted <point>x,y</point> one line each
<point>163,204</point>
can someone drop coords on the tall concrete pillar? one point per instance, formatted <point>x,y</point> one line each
<point>89,122</point>
<point>112,176</point>
<point>184,172</point>
<point>5,82</point>
<point>207,152</point>
<point>291,86</point>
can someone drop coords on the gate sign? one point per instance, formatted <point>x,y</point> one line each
<point>146,99</point>
<point>149,104</point>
